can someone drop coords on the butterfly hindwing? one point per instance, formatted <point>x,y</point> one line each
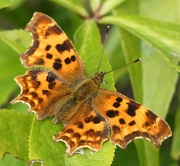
<point>87,128</point>
<point>130,120</point>
<point>40,90</point>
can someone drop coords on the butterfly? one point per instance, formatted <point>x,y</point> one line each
<point>57,86</point>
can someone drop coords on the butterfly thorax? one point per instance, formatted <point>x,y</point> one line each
<point>88,87</point>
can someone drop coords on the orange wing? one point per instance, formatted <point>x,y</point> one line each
<point>129,120</point>
<point>43,92</point>
<point>51,48</point>
<point>46,89</point>
<point>87,128</point>
<point>111,114</point>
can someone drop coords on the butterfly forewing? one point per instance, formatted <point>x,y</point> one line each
<point>52,49</point>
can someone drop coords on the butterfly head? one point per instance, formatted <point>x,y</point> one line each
<point>98,78</point>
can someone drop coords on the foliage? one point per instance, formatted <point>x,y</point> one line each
<point>139,29</point>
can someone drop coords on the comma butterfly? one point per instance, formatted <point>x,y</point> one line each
<point>61,88</point>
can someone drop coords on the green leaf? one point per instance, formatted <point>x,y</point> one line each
<point>8,3</point>
<point>135,71</point>
<point>42,146</point>
<point>11,43</point>
<point>16,39</point>
<point>149,77</point>
<point>132,49</point>
<point>14,129</point>
<point>88,42</point>
<point>10,160</point>
<point>156,86</point>
<point>109,5</point>
<point>175,150</point>
<point>75,6</point>
<point>95,4</point>
<point>7,84</point>
<point>159,79</point>
<point>165,37</point>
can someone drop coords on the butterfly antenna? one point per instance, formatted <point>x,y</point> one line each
<point>107,31</point>
<point>137,60</point>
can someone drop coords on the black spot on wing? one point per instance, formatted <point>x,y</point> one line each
<point>34,94</point>
<point>51,85</point>
<point>112,113</point>
<point>90,133</point>
<point>73,58</point>
<point>36,84</point>
<point>25,91</point>
<point>50,77</point>
<point>132,109</point>
<point>57,64</point>
<point>79,125</point>
<point>116,104</point>
<point>45,92</point>
<point>151,115</point>
<point>34,73</point>
<point>25,99</point>
<point>132,123</point>
<point>65,46</point>
<point>94,119</point>
<point>53,30</point>
<point>81,142</point>
<point>40,100</point>
<point>32,103</point>
<point>122,121</point>
<point>47,48</point>
<point>118,99</point>
<point>116,129</point>
<point>76,135</point>
<point>49,56</point>
<point>39,61</point>
<point>67,61</point>
<point>70,131</point>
